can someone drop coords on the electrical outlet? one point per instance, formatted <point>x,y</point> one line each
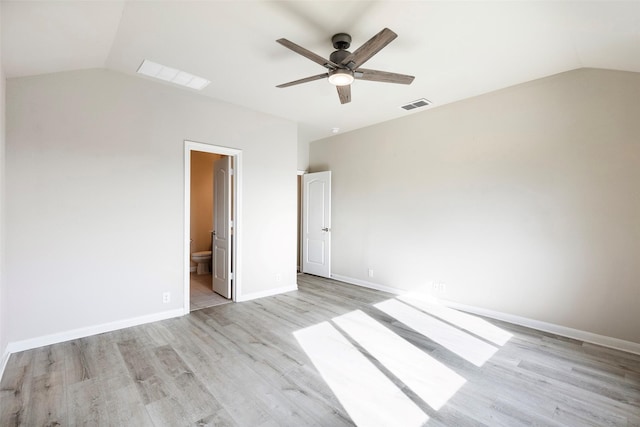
<point>166,297</point>
<point>371,272</point>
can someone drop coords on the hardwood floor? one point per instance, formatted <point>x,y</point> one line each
<point>329,354</point>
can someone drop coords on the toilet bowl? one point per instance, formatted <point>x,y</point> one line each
<point>202,258</point>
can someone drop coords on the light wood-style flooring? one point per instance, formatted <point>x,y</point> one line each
<point>200,293</point>
<point>329,354</point>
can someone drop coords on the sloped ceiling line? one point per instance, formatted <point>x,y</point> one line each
<point>456,50</point>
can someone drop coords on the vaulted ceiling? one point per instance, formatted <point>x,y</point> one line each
<point>456,50</point>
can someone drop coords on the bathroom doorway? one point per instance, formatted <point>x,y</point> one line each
<point>205,213</point>
<point>212,208</point>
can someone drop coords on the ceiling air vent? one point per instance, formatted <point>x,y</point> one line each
<point>416,104</point>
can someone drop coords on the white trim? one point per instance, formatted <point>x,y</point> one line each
<point>4,361</point>
<point>603,340</point>
<point>369,285</point>
<point>268,293</point>
<point>564,331</point>
<point>236,287</point>
<point>14,347</point>
<point>299,198</point>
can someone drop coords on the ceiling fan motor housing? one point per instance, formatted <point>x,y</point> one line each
<point>338,55</point>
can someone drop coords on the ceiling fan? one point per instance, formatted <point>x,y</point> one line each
<point>343,66</point>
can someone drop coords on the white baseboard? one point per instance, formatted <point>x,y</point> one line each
<point>267,293</point>
<point>4,361</point>
<point>603,340</point>
<point>369,285</point>
<point>564,331</point>
<point>16,346</point>
<point>28,344</point>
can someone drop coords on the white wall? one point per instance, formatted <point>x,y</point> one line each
<point>523,201</point>
<point>95,197</point>
<point>303,155</point>
<point>3,291</point>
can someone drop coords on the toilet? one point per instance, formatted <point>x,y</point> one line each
<point>203,259</point>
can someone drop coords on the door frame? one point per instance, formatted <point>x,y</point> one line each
<point>236,197</point>
<point>299,197</point>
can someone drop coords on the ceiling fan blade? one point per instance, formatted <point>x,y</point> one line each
<point>344,92</point>
<point>305,80</point>
<point>382,76</point>
<point>370,48</point>
<point>308,54</point>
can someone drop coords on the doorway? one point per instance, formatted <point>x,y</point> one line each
<point>211,225</point>
<point>209,214</point>
<point>316,224</point>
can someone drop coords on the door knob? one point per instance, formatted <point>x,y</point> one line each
<point>325,229</point>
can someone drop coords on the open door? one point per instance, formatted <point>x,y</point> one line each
<point>221,247</point>
<point>316,224</point>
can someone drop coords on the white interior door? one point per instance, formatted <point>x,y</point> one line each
<point>316,224</point>
<point>221,250</point>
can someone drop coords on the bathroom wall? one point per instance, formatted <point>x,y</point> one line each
<point>202,200</point>
<point>95,183</point>
<point>522,201</point>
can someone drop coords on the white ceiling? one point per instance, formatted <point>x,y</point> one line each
<point>456,50</point>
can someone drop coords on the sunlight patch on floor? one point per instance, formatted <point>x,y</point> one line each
<point>431,380</point>
<point>473,324</point>
<point>377,394</point>
<point>368,396</point>
<point>466,346</point>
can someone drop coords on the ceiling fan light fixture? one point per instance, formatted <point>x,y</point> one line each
<point>341,77</point>
<point>344,66</point>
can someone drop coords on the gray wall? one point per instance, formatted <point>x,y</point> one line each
<point>4,318</point>
<point>95,194</point>
<point>523,201</point>
<point>303,155</point>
